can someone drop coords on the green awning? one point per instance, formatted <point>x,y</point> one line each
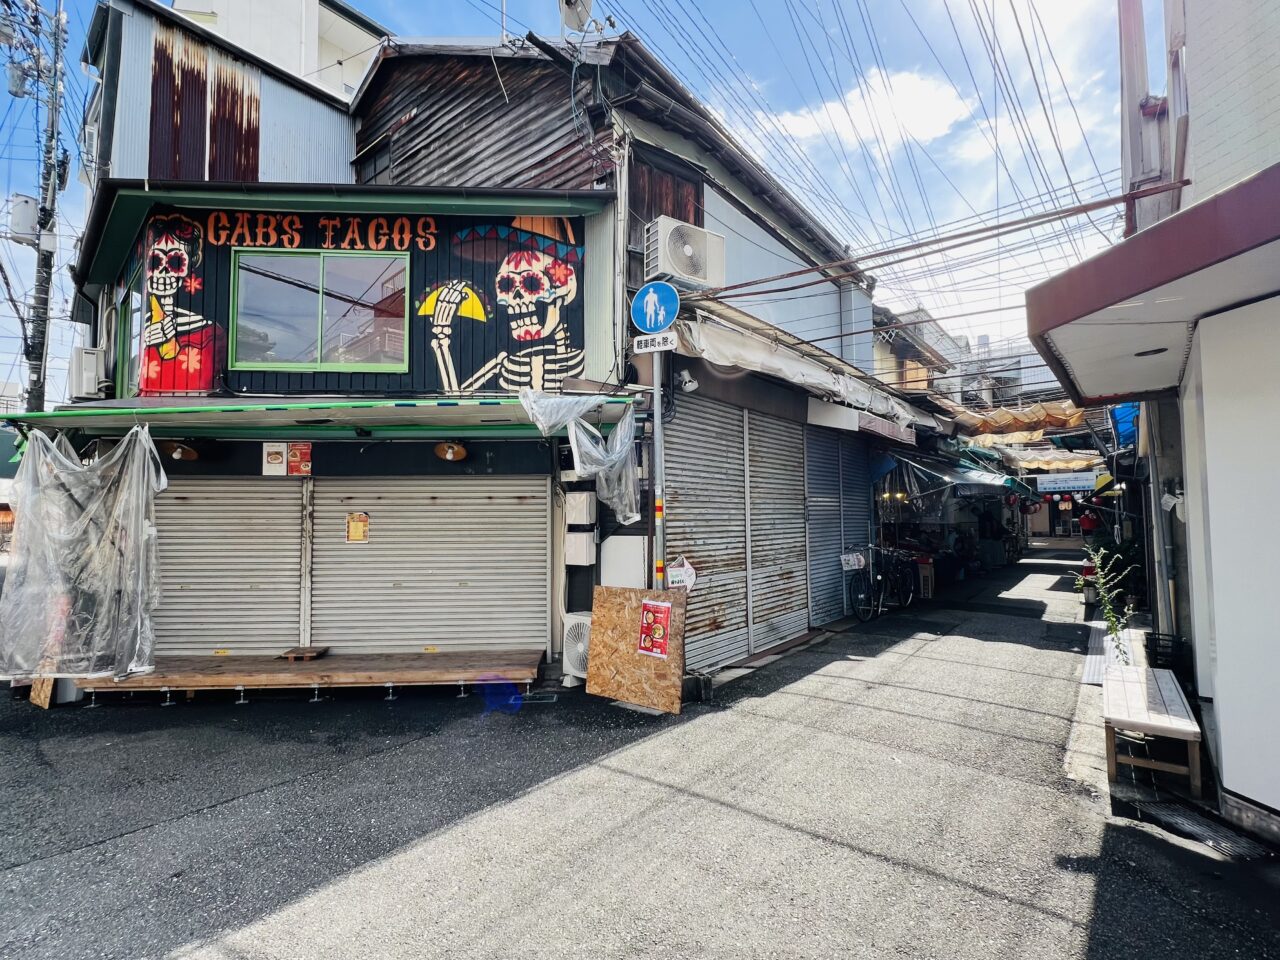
<point>494,417</point>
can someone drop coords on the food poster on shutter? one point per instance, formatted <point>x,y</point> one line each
<point>655,628</point>
<point>357,528</point>
<point>275,459</point>
<point>299,459</point>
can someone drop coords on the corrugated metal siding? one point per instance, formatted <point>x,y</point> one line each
<point>450,562</point>
<point>707,524</point>
<point>303,140</point>
<point>601,327</point>
<point>453,123</point>
<point>230,554</point>
<point>233,118</point>
<point>855,489</point>
<point>131,139</point>
<point>179,106</point>
<point>779,574</point>
<point>826,540</point>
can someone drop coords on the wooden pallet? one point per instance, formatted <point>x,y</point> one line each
<point>294,654</point>
<point>336,670</point>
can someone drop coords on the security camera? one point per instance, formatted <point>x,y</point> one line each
<point>686,381</point>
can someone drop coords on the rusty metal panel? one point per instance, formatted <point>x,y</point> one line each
<point>179,106</point>
<point>233,118</point>
<point>453,122</point>
<point>303,139</point>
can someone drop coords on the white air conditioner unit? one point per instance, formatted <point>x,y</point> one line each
<point>687,256</point>
<point>577,638</point>
<point>88,369</point>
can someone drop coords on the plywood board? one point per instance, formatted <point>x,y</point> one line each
<point>623,667</point>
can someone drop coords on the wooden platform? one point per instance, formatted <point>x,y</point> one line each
<point>1148,701</point>
<point>335,670</point>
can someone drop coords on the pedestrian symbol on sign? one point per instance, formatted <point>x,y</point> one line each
<point>655,307</point>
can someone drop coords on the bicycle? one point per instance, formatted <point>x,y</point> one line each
<point>880,577</point>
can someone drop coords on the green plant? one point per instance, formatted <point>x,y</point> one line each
<point>1110,586</point>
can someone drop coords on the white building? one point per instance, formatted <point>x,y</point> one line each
<point>1185,314</point>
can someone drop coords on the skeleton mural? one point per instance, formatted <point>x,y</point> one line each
<point>534,285</point>
<point>178,346</point>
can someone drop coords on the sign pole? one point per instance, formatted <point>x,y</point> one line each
<point>659,483</point>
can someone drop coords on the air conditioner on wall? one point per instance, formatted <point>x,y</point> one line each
<point>88,369</point>
<point>577,638</point>
<point>687,256</point>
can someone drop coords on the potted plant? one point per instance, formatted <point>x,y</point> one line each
<point>1108,586</point>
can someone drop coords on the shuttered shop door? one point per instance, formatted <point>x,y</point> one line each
<point>826,542</point>
<point>855,489</point>
<point>459,563</point>
<point>779,574</point>
<point>707,524</point>
<point>230,554</point>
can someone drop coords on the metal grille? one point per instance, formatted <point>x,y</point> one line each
<point>826,542</point>
<point>779,575</point>
<point>707,524</point>
<point>230,554</point>
<point>456,562</point>
<point>855,491</point>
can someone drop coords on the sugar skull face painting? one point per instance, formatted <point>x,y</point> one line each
<point>177,344</point>
<point>533,285</point>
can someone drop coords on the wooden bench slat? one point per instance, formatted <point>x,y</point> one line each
<point>1147,701</point>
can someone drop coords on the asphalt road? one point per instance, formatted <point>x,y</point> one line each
<point>895,791</point>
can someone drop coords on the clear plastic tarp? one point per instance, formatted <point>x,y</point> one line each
<point>83,578</point>
<point>612,462</point>
<point>553,412</point>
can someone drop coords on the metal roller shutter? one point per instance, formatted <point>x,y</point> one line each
<point>462,563</point>
<point>706,520</point>
<point>855,490</point>
<point>230,555</point>
<point>825,526</point>
<point>779,568</point>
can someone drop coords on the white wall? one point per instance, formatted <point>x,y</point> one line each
<point>1241,392</point>
<point>1195,514</point>
<point>1233,99</point>
<point>751,252</point>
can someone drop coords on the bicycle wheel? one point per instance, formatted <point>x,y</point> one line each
<point>906,582</point>
<point>861,595</point>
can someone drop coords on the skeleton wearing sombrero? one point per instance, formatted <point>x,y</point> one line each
<point>534,285</point>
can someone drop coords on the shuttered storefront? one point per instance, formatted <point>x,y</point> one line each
<point>855,490</point>
<point>230,555</point>
<point>779,575</point>
<point>826,538</point>
<point>450,562</point>
<point>706,520</point>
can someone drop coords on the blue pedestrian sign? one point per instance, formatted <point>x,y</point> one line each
<point>655,307</point>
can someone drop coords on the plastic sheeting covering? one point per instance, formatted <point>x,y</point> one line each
<point>612,462</point>
<point>83,578</point>
<point>553,412</point>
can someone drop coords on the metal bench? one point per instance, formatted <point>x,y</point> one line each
<point>1143,700</point>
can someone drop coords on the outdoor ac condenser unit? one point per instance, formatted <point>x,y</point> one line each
<point>88,368</point>
<point>687,256</point>
<point>577,638</point>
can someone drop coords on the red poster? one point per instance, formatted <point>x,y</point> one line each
<point>655,627</point>
<point>299,459</point>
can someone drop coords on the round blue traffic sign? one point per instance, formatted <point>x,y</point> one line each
<point>654,307</point>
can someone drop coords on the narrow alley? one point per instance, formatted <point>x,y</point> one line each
<point>898,788</point>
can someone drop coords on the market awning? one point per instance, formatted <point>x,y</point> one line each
<point>972,479</point>
<point>496,417</point>
<point>1119,325</point>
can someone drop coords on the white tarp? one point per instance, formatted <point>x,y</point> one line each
<point>733,348</point>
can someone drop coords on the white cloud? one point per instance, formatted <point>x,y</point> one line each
<point>889,107</point>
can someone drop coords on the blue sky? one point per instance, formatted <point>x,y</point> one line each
<point>881,115</point>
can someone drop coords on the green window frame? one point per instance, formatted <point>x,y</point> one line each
<point>321,366</point>
<point>129,323</point>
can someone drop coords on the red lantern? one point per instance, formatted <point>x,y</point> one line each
<point>1066,497</point>
<point>1048,497</point>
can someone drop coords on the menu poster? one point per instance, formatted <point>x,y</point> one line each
<point>300,459</point>
<point>655,628</point>
<point>286,459</point>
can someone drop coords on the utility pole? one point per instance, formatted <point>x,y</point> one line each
<point>37,343</point>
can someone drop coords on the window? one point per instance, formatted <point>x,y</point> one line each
<point>320,311</point>
<point>128,322</point>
